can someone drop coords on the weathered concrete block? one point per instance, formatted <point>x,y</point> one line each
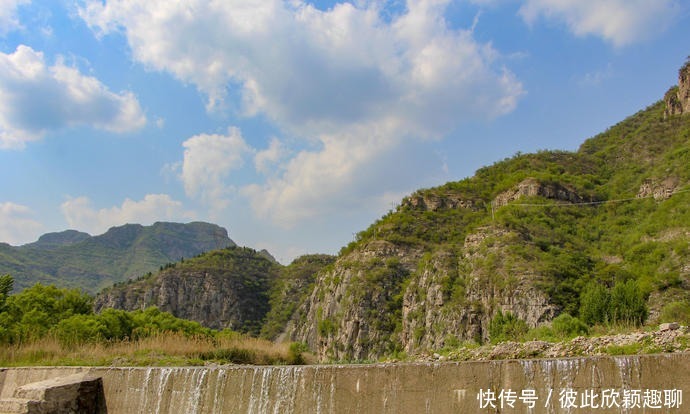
<point>17,405</point>
<point>78,393</point>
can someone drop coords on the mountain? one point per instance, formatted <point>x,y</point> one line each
<point>76,259</point>
<point>602,234</point>
<point>54,240</point>
<point>236,287</point>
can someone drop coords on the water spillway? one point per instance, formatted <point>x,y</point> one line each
<point>625,384</point>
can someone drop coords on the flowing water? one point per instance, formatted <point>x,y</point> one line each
<point>627,384</point>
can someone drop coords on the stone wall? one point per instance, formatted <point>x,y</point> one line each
<point>399,388</point>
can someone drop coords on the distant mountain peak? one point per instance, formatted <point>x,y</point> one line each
<point>58,239</point>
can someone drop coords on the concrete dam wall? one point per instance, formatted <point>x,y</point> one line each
<point>625,384</point>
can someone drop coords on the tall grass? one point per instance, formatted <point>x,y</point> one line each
<point>167,348</point>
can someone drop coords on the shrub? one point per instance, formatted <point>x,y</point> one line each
<point>295,351</point>
<point>676,312</point>
<point>565,326</point>
<point>79,329</point>
<point>625,303</point>
<point>628,304</point>
<point>594,304</point>
<point>506,327</point>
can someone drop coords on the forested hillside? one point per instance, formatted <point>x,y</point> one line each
<point>236,288</point>
<point>600,235</point>
<point>75,259</point>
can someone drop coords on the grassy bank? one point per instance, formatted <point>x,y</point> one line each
<point>167,348</point>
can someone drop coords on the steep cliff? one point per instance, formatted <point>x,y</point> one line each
<point>226,288</point>
<point>236,287</point>
<point>677,98</point>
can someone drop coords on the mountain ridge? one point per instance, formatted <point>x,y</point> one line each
<point>76,259</point>
<point>530,236</point>
<point>600,235</point>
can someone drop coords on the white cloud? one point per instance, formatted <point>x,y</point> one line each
<point>208,160</point>
<point>36,98</point>
<point>348,175</point>
<point>264,160</point>
<point>17,225</point>
<point>80,213</point>
<point>354,80</point>
<point>308,68</point>
<point>621,22</point>
<point>8,15</point>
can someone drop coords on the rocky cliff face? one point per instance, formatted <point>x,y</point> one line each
<point>532,187</point>
<point>352,311</point>
<point>454,295</point>
<point>386,298</point>
<point>223,289</point>
<point>434,202</point>
<point>677,99</point>
<point>658,189</point>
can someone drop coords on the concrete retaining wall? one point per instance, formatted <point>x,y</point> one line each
<point>575,385</point>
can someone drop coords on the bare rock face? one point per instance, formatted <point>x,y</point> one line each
<point>434,202</point>
<point>432,314</point>
<point>352,311</point>
<point>531,187</point>
<point>227,288</point>
<point>659,189</point>
<point>384,298</point>
<point>677,98</point>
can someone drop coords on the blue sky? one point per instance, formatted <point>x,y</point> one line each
<point>296,124</point>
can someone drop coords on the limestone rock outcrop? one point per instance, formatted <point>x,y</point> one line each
<point>677,98</point>
<point>352,313</point>
<point>531,187</point>
<point>435,202</point>
<point>224,289</point>
<point>658,189</point>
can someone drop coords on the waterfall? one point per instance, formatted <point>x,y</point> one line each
<point>382,388</point>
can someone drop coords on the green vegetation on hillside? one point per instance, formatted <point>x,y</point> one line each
<point>289,291</point>
<point>77,260</point>
<point>607,238</point>
<point>601,234</point>
<point>50,325</point>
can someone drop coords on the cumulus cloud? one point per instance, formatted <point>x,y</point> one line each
<point>356,81</point>
<point>208,160</point>
<point>80,213</point>
<point>17,225</point>
<point>348,175</point>
<point>265,159</point>
<point>621,22</point>
<point>8,15</point>
<point>309,69</point>
<point>36,98</point>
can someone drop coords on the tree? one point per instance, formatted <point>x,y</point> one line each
<point>594,304</point>
<point>625,303</point>
<point>6,285</point>
<point>628,304</point>
<point>33,312</point>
